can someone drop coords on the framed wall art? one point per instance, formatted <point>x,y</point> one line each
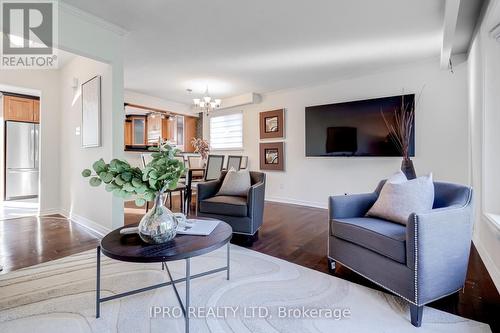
<point>272,156</point>
<point>272,124</point>
<point>91,113</point>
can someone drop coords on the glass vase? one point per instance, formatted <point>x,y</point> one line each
<point>159,225</point>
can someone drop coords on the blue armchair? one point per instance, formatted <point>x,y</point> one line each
<point>421,262</point>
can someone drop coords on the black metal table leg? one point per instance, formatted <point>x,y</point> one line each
<point>98,284</point>
<point>228,260</point>
<point>112,241</point>
<point>189,191</point>
<point>188,284</point>
<point>182,201</point>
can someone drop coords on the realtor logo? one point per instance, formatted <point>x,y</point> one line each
<point>29,33</point>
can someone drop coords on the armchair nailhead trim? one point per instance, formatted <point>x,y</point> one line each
<point>469,199</point>
<point>377,283</point>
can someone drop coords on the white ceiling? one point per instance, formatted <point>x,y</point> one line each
<point>241,46</point>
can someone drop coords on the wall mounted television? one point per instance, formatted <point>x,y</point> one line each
<point>355,128</point>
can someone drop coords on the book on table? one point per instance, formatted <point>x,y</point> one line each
<point>197,227</point>
<point>192,227</point>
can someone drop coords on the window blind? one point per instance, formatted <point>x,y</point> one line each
<point>226,132</point>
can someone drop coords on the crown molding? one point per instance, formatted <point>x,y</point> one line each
<point>92,19</point>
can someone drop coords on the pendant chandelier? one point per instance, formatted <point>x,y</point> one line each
<point>207,103</point>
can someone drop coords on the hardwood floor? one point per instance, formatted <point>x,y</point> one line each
<point>28,241</point>
<point>293,233</point>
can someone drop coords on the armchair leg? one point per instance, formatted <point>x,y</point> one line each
<point>245,240</point>
<point>331,266</point>
<point>416,315</point>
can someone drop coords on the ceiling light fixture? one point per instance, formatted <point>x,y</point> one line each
<point>207,103</point>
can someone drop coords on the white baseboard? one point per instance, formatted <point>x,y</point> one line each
<point>492,269</point>
<point>49,211</point>
<point>297,202</point>
<point>85,222</point>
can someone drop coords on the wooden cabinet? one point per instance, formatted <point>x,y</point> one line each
<point>179,126</point>
<point>171,133</point>
<point>135,131</point>
<point>164,128</point>
<point>141,131</point>
<point>128,132</point>
<point>139,126</point>
<point>190,124</point>
<point>21,109</point>
<point>154,128</point>
<point>36,111</point>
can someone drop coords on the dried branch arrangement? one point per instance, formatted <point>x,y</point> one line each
<point>402,127</point>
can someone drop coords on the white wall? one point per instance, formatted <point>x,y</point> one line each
<point>441,133</point>
<point>484,115</point>
<point>79,200</point>
<point>46,82</point>
<point>86,35</point>
<point>62,189</point>
<point>133,97</point>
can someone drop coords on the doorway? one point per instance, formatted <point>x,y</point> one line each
<point>20,163</point>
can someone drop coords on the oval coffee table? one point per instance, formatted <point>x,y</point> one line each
<point>131,248</point>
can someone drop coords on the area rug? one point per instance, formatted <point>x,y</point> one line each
<point>264,294</point>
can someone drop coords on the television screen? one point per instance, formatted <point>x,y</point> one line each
<point>355,128</point>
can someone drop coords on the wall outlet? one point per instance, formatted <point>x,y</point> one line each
<point>77,131</point>
<point>282,186</point>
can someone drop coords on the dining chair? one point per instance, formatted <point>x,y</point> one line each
<point>196,162</point>
<point>234,162</point>
<point>214,167</point>
<point>145,159</point>
<point>212,171</point>
<point>181,159</point>
<point>244,162</point>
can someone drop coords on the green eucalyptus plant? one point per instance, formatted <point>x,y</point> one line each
<point>127,182</point>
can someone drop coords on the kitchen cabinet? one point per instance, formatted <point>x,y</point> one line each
<point>128,132</point>
<point>138,130</point>
<point>179,124</point>
<point>171,126</point>
<point>36,111</point>
<point>142,131</point>
<point>21,109</point>
<point>154,128</point>
<point>190,124</point>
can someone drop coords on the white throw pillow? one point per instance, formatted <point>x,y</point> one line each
<point>236,183</point>
<point>400,197</point>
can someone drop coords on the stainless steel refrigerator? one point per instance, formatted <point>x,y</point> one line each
<point>21,160</point>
